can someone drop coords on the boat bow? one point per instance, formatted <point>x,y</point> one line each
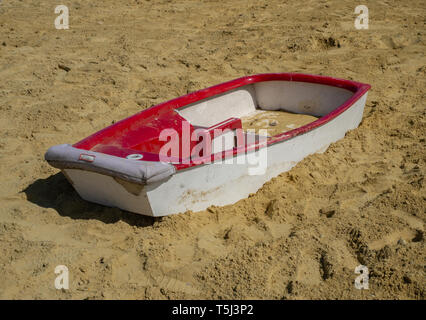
<point>65,156</point>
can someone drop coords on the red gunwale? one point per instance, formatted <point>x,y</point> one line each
<point>359,89</point>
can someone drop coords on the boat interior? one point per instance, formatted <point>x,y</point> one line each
<point>277,106</point>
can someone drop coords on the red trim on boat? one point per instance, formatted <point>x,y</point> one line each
<point>155,115</point>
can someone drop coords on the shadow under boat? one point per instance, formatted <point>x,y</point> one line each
<point>56,192</point>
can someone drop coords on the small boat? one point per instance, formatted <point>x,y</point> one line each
<point>211,147</point>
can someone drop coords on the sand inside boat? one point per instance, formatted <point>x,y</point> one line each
<point>275,122</point>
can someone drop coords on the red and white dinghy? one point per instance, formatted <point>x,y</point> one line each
<point>199,150</point>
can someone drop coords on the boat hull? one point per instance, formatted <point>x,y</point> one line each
<point>218,183</point>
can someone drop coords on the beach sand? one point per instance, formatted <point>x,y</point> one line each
<point>302,235</point>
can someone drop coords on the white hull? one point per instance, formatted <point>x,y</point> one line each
<point>199,187</point>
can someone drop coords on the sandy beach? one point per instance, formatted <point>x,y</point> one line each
<point>301,236</point>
